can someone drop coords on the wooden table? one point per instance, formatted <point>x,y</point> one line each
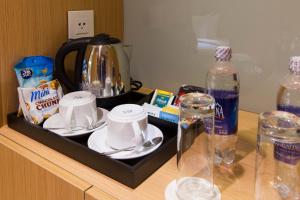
<point>236,182</point>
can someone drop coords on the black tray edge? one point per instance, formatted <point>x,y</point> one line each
<point>132,176</point>
<point>74,151</point>
<point>162,154</point>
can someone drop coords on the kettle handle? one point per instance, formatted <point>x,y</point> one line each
<point>78,45</point>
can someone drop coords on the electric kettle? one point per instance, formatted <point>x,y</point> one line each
<point>101,67</point>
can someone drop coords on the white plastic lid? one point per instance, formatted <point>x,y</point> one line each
<point>77,98</point>
<point>294,64</point>
<point>127,113</point>
<point>223,53</point>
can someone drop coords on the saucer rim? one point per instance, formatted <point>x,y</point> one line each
<point>80,132</point>
<point>90,143</point>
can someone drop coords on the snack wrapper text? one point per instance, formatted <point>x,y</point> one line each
<point>41,102</point>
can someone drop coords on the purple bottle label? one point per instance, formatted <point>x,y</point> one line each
<point>226,111</point>
<point>287,152</point>
<point>291,109</point>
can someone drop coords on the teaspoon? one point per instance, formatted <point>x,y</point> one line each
<point>148,144</point>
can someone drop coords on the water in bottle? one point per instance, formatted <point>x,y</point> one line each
<point>222,82</point>
<point>288,96</point>
<point>287,154</point>
<point>278,156</point>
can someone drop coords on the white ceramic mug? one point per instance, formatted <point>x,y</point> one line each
<point>78,109</point>
<point>126,126</point>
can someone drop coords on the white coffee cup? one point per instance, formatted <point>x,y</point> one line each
<point>78,109</point>
<point>126,126</point>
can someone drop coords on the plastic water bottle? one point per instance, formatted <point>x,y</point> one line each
<point>287,154</point>
<point>222,82</point>
<point>288,96</point>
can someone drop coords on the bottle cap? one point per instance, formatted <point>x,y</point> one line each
<point>294,64</point>
<point>223,53</point>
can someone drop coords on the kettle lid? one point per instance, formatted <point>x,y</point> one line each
<point>104,39</point>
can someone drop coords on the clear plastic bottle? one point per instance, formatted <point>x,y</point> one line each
<point>278,156</point>
<point>288,96</point>
<point>287,154</point>
<point>222,82</point>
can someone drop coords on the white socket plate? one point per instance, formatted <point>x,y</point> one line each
<point>80,24</point>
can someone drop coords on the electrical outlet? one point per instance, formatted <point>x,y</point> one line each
<point>80,23</point>
<point>82,26</point>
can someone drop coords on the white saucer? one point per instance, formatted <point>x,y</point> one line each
<point>57,121</point>
<point>97,142</point>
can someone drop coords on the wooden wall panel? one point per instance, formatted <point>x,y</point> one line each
<point>35,27</point>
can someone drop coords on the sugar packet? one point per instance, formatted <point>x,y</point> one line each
<point>39,103</point>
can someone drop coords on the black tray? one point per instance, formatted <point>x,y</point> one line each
<point>129,172</point>
<point>129,97</point>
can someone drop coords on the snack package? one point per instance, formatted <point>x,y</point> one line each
<point>34,71</point>
<point>162,98</point>
<point>41,102</point>
<point>184,89</point>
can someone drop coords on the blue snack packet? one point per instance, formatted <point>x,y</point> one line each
<point>34,70</point>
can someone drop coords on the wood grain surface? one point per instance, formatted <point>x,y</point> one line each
<point>27,176</point>
<point>95,194</point>
<point>36,27</point>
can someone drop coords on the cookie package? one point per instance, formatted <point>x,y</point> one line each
<point>34,70</point>
<point>39,103</point>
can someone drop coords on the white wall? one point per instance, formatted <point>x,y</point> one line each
<point>173,42</point>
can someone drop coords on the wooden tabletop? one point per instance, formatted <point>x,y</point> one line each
<point>236,182</point>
